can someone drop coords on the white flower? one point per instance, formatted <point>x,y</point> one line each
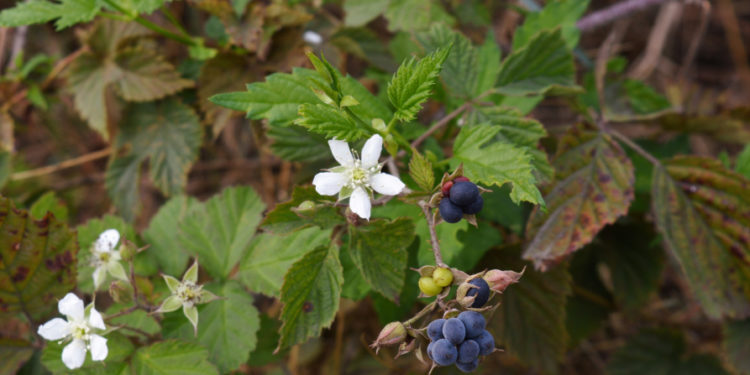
<point>106,259</point>
<point>311,37</point>
<point>354,178</point>
<point>186,294</point>
<point>78,327</point>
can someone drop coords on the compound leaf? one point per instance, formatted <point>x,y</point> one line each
<point>491,161</point>
<point>172,357</point>
<point>562,13</point>
<point>412,83</point>
<point>594,186</point>
<point>420,170</point>
<point>310,294</point>
<point>331,122</point>
<point>701,209</point>
<point>219,230</point>
<point>37,261</point>
<point>379,251</point>
<point>67,12</point>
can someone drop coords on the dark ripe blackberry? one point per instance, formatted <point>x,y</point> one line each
<point>468,367</point>
<point>435,329</point>
<point>454,331</point>
<point>474,323</point>
<point>486,343</point>
<point>444,353</point>
<point>464,193</point>
<point>450,212</point>
<point>475,206</point>
<point>482,293</point>
<point>468,351</point>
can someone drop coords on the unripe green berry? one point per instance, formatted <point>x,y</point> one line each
<point>428,287</point>
<point>442,276</point>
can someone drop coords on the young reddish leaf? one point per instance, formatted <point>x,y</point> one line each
<point>702,210</point>
<point>594,186</point>
<point>37,262</point>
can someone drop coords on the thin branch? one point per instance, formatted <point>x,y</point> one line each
<point>614,12</point>
<point>62,165</point>
<point>19,40</point>
<point>433,234</point>
<point>696,40</point>
<point>634,146</point>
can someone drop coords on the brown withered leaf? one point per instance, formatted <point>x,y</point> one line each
<point>702,211</point>
<point>593,187</point>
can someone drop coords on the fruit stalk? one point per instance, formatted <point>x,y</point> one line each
<point>433,234</point>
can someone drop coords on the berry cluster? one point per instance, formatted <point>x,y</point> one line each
<point>459,341</point>
<point>433,285</point>
<point>460,197</point>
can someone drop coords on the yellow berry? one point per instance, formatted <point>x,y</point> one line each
<point>428,287</point>
<point>442,276</point>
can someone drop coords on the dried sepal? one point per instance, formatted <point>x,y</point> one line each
<point>499,280</point>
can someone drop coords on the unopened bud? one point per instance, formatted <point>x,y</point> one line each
<point>127,250</point>
<point>393,333</point>
<point>499,279</point>
<point>120,291</point>
<point>306,206</point>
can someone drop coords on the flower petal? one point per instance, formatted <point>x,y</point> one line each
<point>107,240</point>
<point>341,152</point>
<point>192,273</point>
<point>95,319</point>
<point>360,204</point>
<point>55,329</point>
<point>98,347</point>
<point>71,306</point>
<point>99,275</point>
<point>172,283</point>
<point>172,303</point>
<point>191,313</point>
<point>74,354</point>
<point>116,269</point>
<point>386,184</point>
<point>371,151</point>
<point>329,183</point>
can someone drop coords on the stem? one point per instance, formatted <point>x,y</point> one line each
<point>123,312</point>
<point>172,19</point>
<point>62,165</point>
<point>609,14</point>
<point>433,235</point>
<point>435,127</point>
<point>184,39</point>
<point>634,146</point>
<point>425,310</point>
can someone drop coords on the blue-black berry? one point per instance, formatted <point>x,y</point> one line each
<point>444,353</point>
<point>486,343</point>
<point>454,331</point>
<point>474,323</point>
<point>475,206</point>
<point>468,367</point>
<point>482,293</point>
<point>468,351</point>
<point>450,212</point>
<point>464,193</point>
<point>435,329</point>
<point>430,347</point>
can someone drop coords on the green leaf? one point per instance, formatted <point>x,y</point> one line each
<point>168,134</point>
<point>225,72</point>
<point>67,13</point>
<point>163,235</point>
<point>742,164</point>
<point>411,15</point>
<point>379,251</point>
<point>545,63</point>
<point>87,234</point>
<point>330,122</point>
<point>277,99</point>
<point>360,12</point>
<point>310,294</point>
<point>14,350</point>
<point>644,99</point>
<point>495,162</point>
<point>118,346</point>
<point>737,344</point>
<point>143,6</point>
<point>134,71</point>
<point>285,217</point>
<point>535,307</point>
<point>468,71</point>
<point>295,143</point>
<point>420,170</point>
<point>594,186</point>
<point>139,319</point>
<point>227,326</point>
<point>172,357</point>
<point>661,352</point>
<point>268,337</point>
<point>412,84</point>
<point>49,202</point>
<point>6,166</point>
<point>269,256</point>
<point>700,209</point>
<point>219,230</point>
<point>562,13</point>
<point>37,262</point>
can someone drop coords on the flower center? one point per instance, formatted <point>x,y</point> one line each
<point>80,331</point>
<point>359,176</point>
<point>189,292</point>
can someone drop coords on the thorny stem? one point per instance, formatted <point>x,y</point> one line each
<point>433,234</point>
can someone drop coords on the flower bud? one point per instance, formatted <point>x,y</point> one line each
<point>127,250</point>
<point>499,280</point>
<point>120,291</point>
<point>393,333</point>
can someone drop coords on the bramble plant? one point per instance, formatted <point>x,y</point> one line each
<point>422,196</point>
